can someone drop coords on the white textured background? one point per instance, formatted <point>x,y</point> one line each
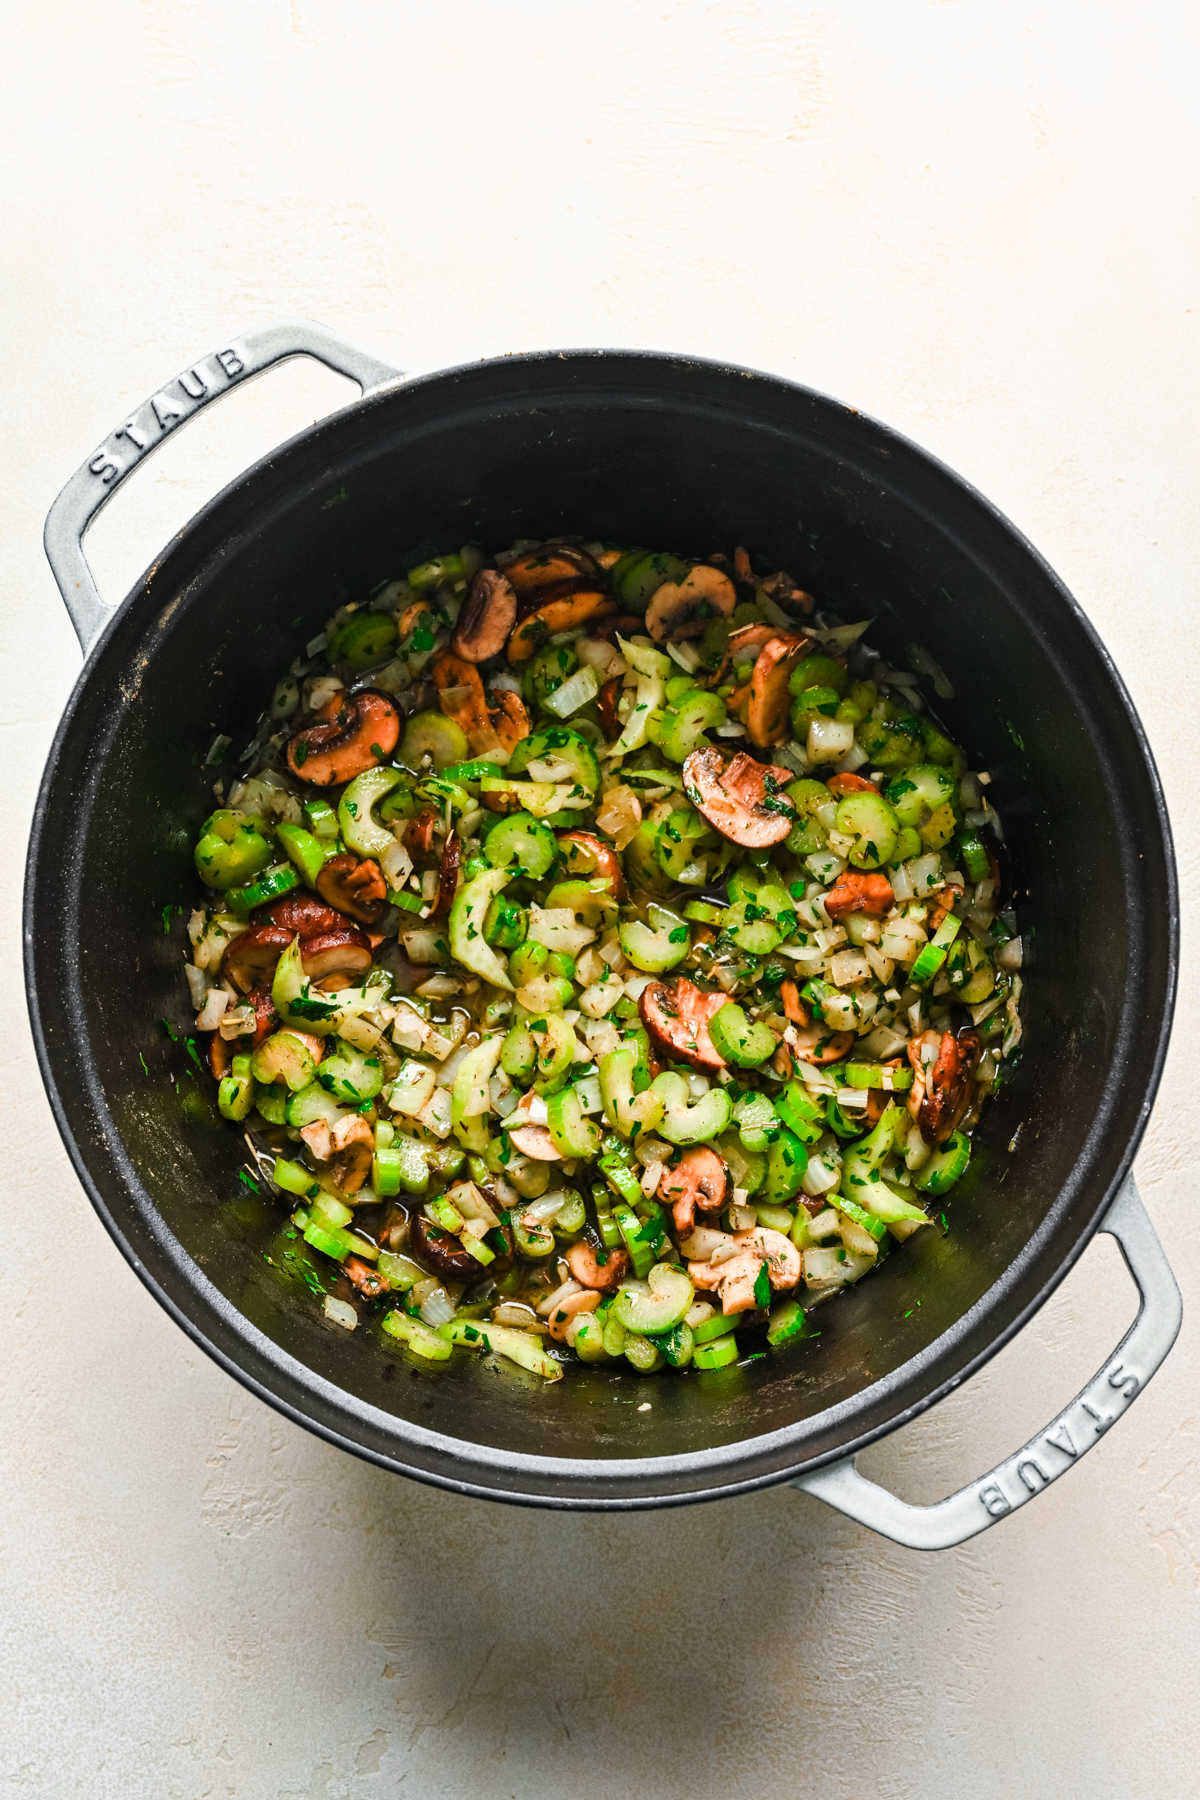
<point>976,221</point>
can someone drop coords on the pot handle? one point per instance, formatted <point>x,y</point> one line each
<point>177,401</point>
<point>1060,1445</point>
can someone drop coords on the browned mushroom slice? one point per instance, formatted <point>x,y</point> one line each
<point>265,1016</point>
<point>418,833</point>
<point>585,1264</point>
<point>555,615</point>
<point>736,1278</point>
<point>817,1043</point>
<point>533,570</point>
<point>461,695</point>
<point>355,732</point>
<point>250,958</point>
<point>943,1066</point>
<point>746,801</point>
<point>304,915</point>
<point>681,609</point>
<point>700,1181</point>
<point>344,952</point>
<point>355,886</point>
<point>744,646</point>
<point>676,1013</point>
<point>770,700</point>
<point>510,720</point>
<point>447,875</point>
<point>588,856</point>
<point>442,1254</point>
<point>487,617</point>
<point>353,1144</point>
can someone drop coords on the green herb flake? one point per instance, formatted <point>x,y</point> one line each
<point>248,1180</point>
<point>762,1285</point>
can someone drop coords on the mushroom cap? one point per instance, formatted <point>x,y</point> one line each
<point>250,958</point>
<point>700,1181</point>
<point>560,613</point>
<point>346,951</point>
<point>354,732</point>
<point>354,886</point>
<point>681,609</point>
<point>583,1260</point>
<point>943,1065</point>
<point>546,565</point>
<point>488,615</point>
<point>303,915</point>
<point>676,1013</point>
<point>590,857</point>
<point>736,1277</point>
<point>770,699</point>
<point>746,801</point>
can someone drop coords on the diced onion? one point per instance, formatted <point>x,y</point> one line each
<point>340,1312</point>
<point>829,739</point>
<point>436,1308</point>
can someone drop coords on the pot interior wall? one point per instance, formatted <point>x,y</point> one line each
<point>635,450</point>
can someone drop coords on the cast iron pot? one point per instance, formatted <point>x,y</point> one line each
<point>643,449</point>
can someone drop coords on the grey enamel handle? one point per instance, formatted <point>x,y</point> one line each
<point>1068,1437</point>
<point>177,401</point>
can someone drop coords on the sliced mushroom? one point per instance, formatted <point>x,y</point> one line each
<point>533,570</point>
<point>817,1044</point>
<point>856,892</point>
<point>681,609</point>
<point>461,695</point>
<point>744,646</point>
<point>417,615</point>
<point>700,1181</point>
<point>676,1013</point>
<point>441,1253</point>
<point>603,1276</point>
<point>736,1277</point>
<point>355,732</point>
<point>555,615</point>
<point>793,1006</point>
<point>355,887</point>
<point>265,1016</point>
<point>943,1065</point>
<point>510,720</point>
<point>770,699</point>
<point>487,617</point>
<point>418,833</point>
<point>606,705</point>
<point>535,1141</point>
<point>220,1055</point>
<point>250,958</point>
<point>347,1146</point>
<point>584,1300</point>
<point>342,952</point>
<point>447,875</point>
<point>367,1279</point>
<point>588,856</point>
<point>303,915</point>
<point>746,801</point>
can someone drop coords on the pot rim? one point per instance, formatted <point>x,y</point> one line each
<point>763,1459</point>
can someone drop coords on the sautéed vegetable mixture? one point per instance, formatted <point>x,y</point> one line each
<point>605,955</point>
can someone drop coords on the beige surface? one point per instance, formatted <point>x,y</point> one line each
<point>976,221</point>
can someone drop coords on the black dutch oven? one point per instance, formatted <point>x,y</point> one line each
<point>637,448</point>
